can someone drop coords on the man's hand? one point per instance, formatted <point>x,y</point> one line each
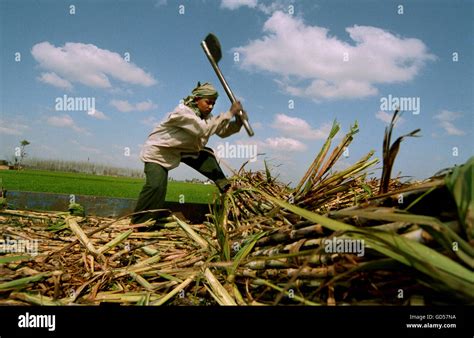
<point>236,108</point>
<point>244,115</point>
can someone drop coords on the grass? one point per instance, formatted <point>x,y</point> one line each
<point>85,184</point>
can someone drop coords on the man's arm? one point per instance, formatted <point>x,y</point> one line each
<point>189,121</point>
<point>234,125</point>
<point>231,128</point>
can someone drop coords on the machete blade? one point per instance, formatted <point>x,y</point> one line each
<point>214,46</point>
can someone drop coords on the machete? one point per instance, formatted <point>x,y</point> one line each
<point>212,49</point>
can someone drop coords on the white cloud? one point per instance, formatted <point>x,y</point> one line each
<point>54,80</point>
<point>309,62</point>
<point>451,129</point>
<point>86,64</point>
<point>12,127</point>
<point>321,89</point>
<point>277,5</point>
<point>125,106</point>
<point>299,128</point>
<point>122,105</point>
<point>145,105</point>
<point>65,121</point>
<point>97,114</point>
<point>234,4</point>
<point>387,118</point>
<point>273,6</point>
<point>121,91</point>
<point>446,115</point>
<point>446,119</point>
<point>282,144</point>
<point>150,121</point>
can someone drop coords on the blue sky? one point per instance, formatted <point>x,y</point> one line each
<point>296,65</point>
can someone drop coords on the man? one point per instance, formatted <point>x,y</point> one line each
<point>182,137</point>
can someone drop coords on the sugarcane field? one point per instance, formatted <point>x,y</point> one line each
<point>243,167</point>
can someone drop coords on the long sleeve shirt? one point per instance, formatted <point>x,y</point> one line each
<point>185,132</point>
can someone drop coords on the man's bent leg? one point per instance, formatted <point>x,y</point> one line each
<point>206,164</point>
<point>153,193</point>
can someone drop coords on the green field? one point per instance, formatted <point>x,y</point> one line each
<point>85,184</point>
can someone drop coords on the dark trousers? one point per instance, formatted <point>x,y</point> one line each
<point>153,193</point>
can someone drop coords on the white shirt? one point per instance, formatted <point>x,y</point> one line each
<point>185,132</point>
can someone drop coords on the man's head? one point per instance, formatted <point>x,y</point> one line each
<point>205,105</point>
<point>202,99</point>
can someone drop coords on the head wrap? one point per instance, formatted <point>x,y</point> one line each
<point>205,90</point>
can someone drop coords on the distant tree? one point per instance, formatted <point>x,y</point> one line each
<point>18,162</point>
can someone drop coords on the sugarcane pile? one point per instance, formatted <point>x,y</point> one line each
<point>92,260</point>
<point>338,238</point>
<point>368,241</point>
<point>370,253</point>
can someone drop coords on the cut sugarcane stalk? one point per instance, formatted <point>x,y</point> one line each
<point>217,288</point>
<point>116,241</point>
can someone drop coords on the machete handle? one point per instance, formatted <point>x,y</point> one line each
<point>227,89</point>
<point>246,123</point>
